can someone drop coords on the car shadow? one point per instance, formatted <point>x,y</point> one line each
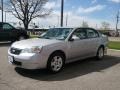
<point>72,70</point>
<point>5,44</point>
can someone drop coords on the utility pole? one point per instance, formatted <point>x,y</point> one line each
<point>62,7</point>
<point>66,19</point>
<point>6,11</point>
<point>5,15</point>
<point>117,21</point>
<point>58,20</point>
<point>2,9</point>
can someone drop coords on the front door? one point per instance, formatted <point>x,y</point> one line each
<point>79,46</point>
<point>2,33</point>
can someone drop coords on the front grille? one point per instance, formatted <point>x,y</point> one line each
<point>16,63</point>
<point>15,51</point>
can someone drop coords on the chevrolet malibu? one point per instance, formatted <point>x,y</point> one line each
<point>56,47</point>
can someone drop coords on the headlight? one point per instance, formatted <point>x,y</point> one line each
<point>35,49</point>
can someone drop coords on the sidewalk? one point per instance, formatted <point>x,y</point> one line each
<point>113,50</point>
<point>114,38</point>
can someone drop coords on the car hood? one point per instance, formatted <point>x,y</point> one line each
<point>33,42</point>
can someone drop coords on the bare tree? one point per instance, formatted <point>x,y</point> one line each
<point>26,10</point>
<point>105,26</point>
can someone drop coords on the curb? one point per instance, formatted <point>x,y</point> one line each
<point>114,50</point>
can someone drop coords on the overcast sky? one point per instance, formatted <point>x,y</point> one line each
<point>92,11</point>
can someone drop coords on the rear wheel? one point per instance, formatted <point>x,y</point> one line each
<point>55,62</point>
<point>100,53</point>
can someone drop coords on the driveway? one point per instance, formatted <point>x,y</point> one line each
<point>88,74</point>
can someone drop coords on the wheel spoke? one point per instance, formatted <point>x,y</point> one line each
<point>101,53</point>
<point>56,67</point>
<point>56,63</point>
<point>52,63</point>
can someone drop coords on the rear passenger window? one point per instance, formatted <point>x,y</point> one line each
<point>92,33</point>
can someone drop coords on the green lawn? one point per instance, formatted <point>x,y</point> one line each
<point>34,36</point>
<point>114,45</point>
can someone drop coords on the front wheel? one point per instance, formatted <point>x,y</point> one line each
<point>100,53</point>
<point>55,62</point>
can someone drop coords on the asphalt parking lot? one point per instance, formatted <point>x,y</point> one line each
<point>83,75</point>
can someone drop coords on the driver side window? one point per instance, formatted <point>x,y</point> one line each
<point>79,34</point>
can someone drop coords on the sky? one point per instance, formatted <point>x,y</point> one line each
<point>94,12</point>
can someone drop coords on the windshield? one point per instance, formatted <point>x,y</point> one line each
<point>57,33</point>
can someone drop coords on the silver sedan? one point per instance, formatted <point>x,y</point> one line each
<point>56,47</point>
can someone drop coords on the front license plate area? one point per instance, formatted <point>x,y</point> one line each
<point>10,58</point>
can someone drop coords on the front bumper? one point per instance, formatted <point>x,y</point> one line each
<point>27,60</point>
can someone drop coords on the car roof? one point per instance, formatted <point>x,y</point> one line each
<point>75,27</point>
<point>67,27</point>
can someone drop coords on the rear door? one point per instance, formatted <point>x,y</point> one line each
<point>2,33</point>
<point>93,41</point>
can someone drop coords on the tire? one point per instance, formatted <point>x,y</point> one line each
<point>21,38</point>
<point>100,53</point>
<point>56,62</point>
